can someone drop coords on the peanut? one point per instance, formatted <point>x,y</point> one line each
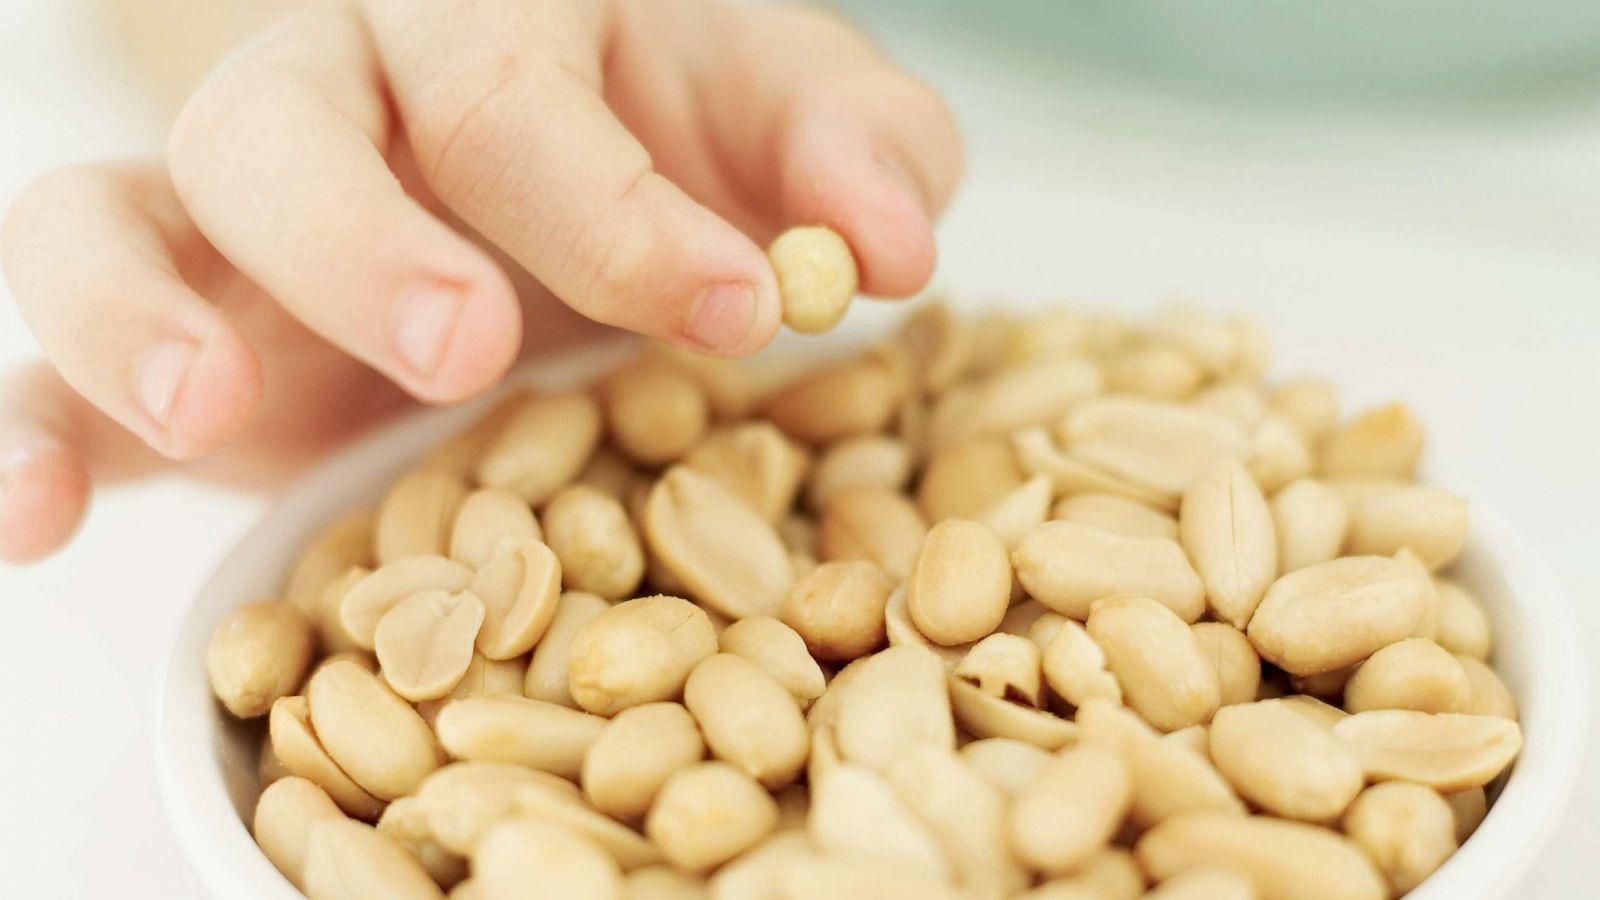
<point>637,652</point>
<point>258,654</point>
<point>816,277</point>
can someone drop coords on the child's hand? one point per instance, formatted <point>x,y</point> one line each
<point>323,195</point>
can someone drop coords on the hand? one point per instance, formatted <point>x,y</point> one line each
<point>377,202</point>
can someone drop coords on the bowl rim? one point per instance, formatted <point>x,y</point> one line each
<point>218,845</point>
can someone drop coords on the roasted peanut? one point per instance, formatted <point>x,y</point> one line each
<point>1075,666</point>
<point>1311,406</point>
<point>519,586</point>
<point>1003,665</point>
<point>816,277</point>
<point>544,736</point>
<point>654,412</point>
<point>371,732</point>
<point>838,609</point>
<point>1382,443</point>
<point>869,460</point>
<point>1284,762</point>
<point>1038,454</point>
<point>342,544</point>
<point>487,519</point>
<point>965,813</point>
<point>1005,763</point>
<point>636,652</point>
<point>779,651</point>
<point>1155,371</point>
<point>1118,515</point>
<point>964,481</point>
<point>1409,830</point>
<point>592,537</point>
<point>258,654</point>
<point>845,400</point>
<point>521,851</point>
<point>285,814</point>
<point>1445,751</point>
<point>1070,809</point>
<point>1281,858</point>
<point>895,699</point>
<point>1157,660</point>
<point>1429,521</point>
<point>987,716</point>
<point>960,585</point>
<point>484,677</point>
<point>403,821</point>
<point>1336,613</point>
<point>1161,446</point>
<point>295,744</point>
<point>424,644</point>
<point>546,677</point>
<point>727,555</point>
<point>1067,566</point>
<point>1031,394</point>
<point>1409,674</point>
<point>1488,696</point>
<point>366,602</point>
<point>348,860</point>
<point>1168,778</point>
<point>544,444</point>
<point>1309,521</point>
<point>1205,883</point>
<point>1461,626</point>
<point>1226,528</point>
<point>663,883</point>
<point>1235,661</point>
<point>756,462</point>
<point>708,813</point>
<point>636,753</point>
<point>874,524</point>
<point>854,812</point>
<point>418,514</point>
<point>748,718</point>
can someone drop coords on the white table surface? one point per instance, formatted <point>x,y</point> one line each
<point>1454,261</point>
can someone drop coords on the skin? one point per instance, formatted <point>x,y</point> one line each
<point>390,201</point>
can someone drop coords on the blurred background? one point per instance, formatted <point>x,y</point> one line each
<point>1407,193</point>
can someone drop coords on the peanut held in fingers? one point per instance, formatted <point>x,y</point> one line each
<point>816,277</point>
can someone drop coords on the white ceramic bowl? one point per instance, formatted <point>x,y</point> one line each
<point>207,762</point>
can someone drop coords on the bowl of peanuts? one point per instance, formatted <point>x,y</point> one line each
<point>1044,604</point>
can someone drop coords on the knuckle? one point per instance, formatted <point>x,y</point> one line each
<point>614,252</point>
<point>462,131</point>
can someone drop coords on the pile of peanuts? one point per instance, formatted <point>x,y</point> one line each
<point>1058,607</point>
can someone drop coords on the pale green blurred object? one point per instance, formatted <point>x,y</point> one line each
<point>1334,48</point>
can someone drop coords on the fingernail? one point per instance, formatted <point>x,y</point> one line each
<point>162,375</point>
<point>425,318</point>
<point>723,316</point>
